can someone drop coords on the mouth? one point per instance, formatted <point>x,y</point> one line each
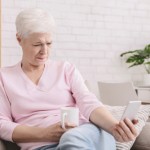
<point>41,58</point>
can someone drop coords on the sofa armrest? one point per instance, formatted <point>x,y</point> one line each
<point>6,145</point>
<point>2,146</point>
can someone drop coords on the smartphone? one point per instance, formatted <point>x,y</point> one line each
<point>131,110</point>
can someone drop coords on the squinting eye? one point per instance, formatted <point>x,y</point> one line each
<point>37,45</point>
<point>49,43</point>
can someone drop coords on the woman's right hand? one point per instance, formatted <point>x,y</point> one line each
<point>51,133</point>
<point>54,132</point>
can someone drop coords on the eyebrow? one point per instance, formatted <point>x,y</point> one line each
<point>42,42</point>
<point>37,42</point>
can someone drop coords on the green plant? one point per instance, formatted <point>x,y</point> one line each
<point>138,57</point>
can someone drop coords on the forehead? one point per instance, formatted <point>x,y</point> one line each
<point>39,37</point>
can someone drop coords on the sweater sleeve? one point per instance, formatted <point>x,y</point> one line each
<point>85,100</point>
<point>6,124</point>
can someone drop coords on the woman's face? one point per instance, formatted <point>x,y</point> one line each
<point>35,48</point>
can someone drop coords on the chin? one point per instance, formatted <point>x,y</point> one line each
<point>39,63</point>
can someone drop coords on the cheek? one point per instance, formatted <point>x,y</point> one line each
<point>30,52</point>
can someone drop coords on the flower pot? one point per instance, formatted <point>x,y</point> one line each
<point>146,79</point>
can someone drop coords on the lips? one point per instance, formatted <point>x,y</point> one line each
<point>42,58</point>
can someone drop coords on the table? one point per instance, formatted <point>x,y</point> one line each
<point>143,93</point>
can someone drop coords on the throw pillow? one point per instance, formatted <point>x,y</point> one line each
<point>2,147</point>
<point>142,116</point>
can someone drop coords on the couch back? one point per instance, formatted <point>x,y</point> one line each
<point>114,94</point>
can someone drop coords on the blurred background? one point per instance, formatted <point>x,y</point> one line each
<point>89,33</point>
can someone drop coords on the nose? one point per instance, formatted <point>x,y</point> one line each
<point>44,49</point>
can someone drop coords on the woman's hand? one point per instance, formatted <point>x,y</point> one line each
<point>54,132</point>
<point>39,134</point>
<point>125,131</point>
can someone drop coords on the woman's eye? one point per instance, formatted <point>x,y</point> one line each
<point>37,45</point>
<point>49,44</point>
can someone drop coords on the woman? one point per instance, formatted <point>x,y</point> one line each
<point>33,91</point>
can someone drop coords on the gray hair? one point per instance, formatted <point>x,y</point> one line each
<point>34,20</point>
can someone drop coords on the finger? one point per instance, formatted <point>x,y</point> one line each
<point>127,131</point>
<point>70,125</point>
<point>117,136</point>
<point>131,126</point>
<point>58,124</point>
<point>122,134</point>
<point>59,128</point>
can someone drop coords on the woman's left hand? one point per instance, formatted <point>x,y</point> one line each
<point>125,130</point>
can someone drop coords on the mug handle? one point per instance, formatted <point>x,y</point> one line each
<point>63,120</point>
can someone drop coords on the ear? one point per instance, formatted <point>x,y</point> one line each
<point>18,39</point>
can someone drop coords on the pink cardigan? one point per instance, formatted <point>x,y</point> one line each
<point>23,102</point>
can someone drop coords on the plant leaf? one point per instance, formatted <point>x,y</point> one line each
<point>135,58</point>
<point>148,63</point>
<point>130,52</point>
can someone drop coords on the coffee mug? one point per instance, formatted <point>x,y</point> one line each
<point>69,115</point>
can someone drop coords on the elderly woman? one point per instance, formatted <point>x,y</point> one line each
<point>33,91</point>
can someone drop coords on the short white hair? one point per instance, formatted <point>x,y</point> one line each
<point>34,21</point>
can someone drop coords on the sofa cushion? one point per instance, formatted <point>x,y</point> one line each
<point>142,116</point>
<point>143,140</point>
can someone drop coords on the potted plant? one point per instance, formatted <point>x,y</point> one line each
<point>139,57</point>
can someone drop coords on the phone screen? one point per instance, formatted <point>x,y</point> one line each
<point>131,110</point>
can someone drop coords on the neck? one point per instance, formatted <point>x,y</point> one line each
<point>30,67</point>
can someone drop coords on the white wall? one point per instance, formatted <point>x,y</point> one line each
<point>90,33</point>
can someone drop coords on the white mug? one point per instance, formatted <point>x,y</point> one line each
<point>69,115</point>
